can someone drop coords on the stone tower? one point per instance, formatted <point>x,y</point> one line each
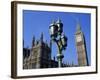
<point>81,47</point>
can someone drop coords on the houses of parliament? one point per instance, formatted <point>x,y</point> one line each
<point>39,55</point>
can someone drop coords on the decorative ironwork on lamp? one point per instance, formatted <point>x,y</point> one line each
<point>56,34</point>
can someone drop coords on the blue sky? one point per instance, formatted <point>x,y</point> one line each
<point>36,22</point>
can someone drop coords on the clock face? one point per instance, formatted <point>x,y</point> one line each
<point>78,38</point>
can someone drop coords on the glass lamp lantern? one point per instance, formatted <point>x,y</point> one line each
<point>64,40</point>
<point>60,26</point>
<point>53,29</point>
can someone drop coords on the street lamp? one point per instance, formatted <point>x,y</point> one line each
<point>56,33</point>
<point>53,30</point>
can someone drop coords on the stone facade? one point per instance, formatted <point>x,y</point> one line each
<point>39,56</point>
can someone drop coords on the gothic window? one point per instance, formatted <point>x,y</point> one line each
<point>35,52</point>
<point>80,48</point>
<point>83,47</point>
<point>33,65</point>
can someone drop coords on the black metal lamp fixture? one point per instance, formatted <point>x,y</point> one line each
<point>53,29</point>
<point>64,41</point>
<point>60,26</point>
<point>56,33</point>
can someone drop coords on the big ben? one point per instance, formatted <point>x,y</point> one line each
<point>81,47</point>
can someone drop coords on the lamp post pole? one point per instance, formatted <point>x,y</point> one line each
<point>59,58</point>
<point>59,55</point>
<point>56,30</point>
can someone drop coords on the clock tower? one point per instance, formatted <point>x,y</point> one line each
<point>81,47</point>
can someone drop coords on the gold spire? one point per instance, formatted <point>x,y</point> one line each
<point>78,26</point>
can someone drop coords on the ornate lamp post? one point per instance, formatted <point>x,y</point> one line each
<point>56,33</point>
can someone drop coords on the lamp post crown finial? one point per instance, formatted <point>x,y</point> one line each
<point>59,20</point>
<point>53,21</point>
